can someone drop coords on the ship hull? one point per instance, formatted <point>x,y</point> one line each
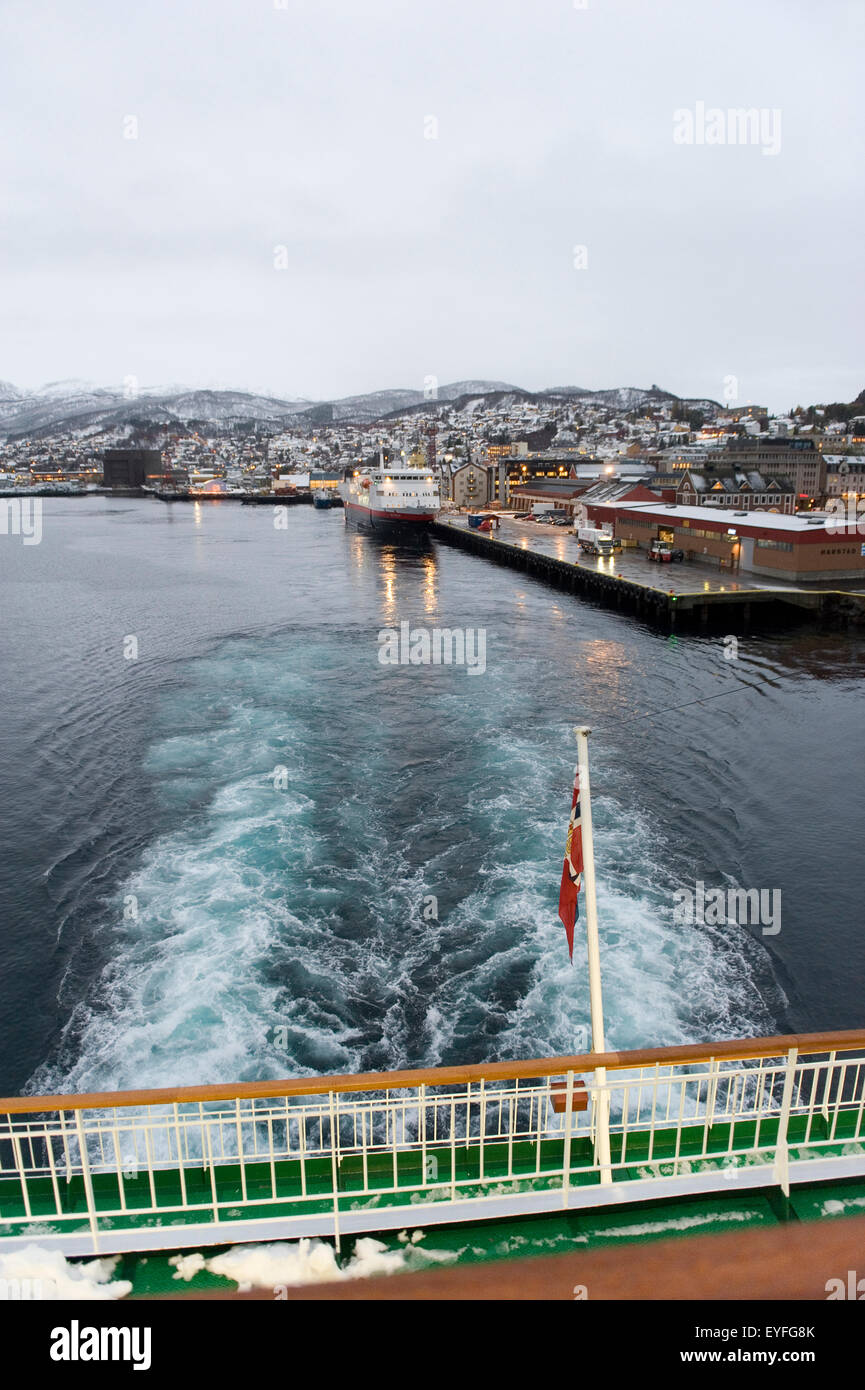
<point>390,522</point>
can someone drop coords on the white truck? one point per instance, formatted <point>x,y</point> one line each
<point>596,542</point>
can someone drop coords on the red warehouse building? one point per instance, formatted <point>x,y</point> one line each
<point>807,546</point>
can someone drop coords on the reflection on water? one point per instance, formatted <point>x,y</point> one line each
<point>430,577</point>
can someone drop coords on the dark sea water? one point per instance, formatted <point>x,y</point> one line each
<point>218,858</point>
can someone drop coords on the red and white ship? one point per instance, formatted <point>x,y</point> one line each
<point>391,498</point>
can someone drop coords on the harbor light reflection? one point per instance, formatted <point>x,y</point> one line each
<point>430,576</point>
<point>388,574</point>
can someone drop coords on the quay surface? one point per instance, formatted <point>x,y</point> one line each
<point>682,594</point>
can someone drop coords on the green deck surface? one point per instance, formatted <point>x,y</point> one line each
<point>560,1233</point>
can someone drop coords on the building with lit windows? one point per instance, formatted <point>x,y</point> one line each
<point>324,482</point>
<point>717,486</point>
<point>792,458</point>
<point>472,485</point>
<point>845,475</point>
<point>787,548</point>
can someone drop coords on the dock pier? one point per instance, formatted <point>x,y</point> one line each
<point>700,609</point>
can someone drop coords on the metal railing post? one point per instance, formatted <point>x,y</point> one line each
<point>334,1166</point>
<point>566,1151</point>
<point>781,1168</point>
<point>88,1181</point>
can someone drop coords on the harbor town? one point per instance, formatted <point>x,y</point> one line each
<point>762,511</point>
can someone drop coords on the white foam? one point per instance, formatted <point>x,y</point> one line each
<point>187,1266</point>
<point>678,1223</point>
<point>310,1261</point>
<point>47,1274</point>
<point>246,924</point>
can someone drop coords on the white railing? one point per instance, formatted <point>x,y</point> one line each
<point>324,1155</point>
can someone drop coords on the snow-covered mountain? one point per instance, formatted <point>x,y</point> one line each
<point>626,398</point>
<point>377,404</point>
<point>63,407</point>
<point>79,407</point>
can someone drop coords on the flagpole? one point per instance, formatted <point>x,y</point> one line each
<point>602,1102</point>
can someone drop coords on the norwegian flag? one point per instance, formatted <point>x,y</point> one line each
<point>572,870</point>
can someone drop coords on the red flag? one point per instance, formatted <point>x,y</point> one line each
<point>572,870</point>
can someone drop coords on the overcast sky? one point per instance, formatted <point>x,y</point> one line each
<point>305,125</point>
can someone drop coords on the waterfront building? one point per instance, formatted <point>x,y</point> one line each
<point>472,485</point>
<point>789,548</point>
<point>563,492</point>
<point>320,481</point>
<point>581,478</point>
<point>291,482</point>
<point>206,482</point>
<point>611,490</point>
<point>130,467</point>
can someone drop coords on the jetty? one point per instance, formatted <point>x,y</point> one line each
<point>678,595</point>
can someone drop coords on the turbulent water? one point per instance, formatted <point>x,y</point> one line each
<point>253,850</point>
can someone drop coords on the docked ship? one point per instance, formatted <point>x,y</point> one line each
<point>391,498</point>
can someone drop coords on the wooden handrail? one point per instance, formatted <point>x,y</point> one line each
<point>739,1049</point>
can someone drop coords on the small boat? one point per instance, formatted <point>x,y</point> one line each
<point>322,501</point>
<point>172,494</point>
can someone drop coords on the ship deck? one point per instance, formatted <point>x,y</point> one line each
<point>518,1238</point>
<point>444,1148</point>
